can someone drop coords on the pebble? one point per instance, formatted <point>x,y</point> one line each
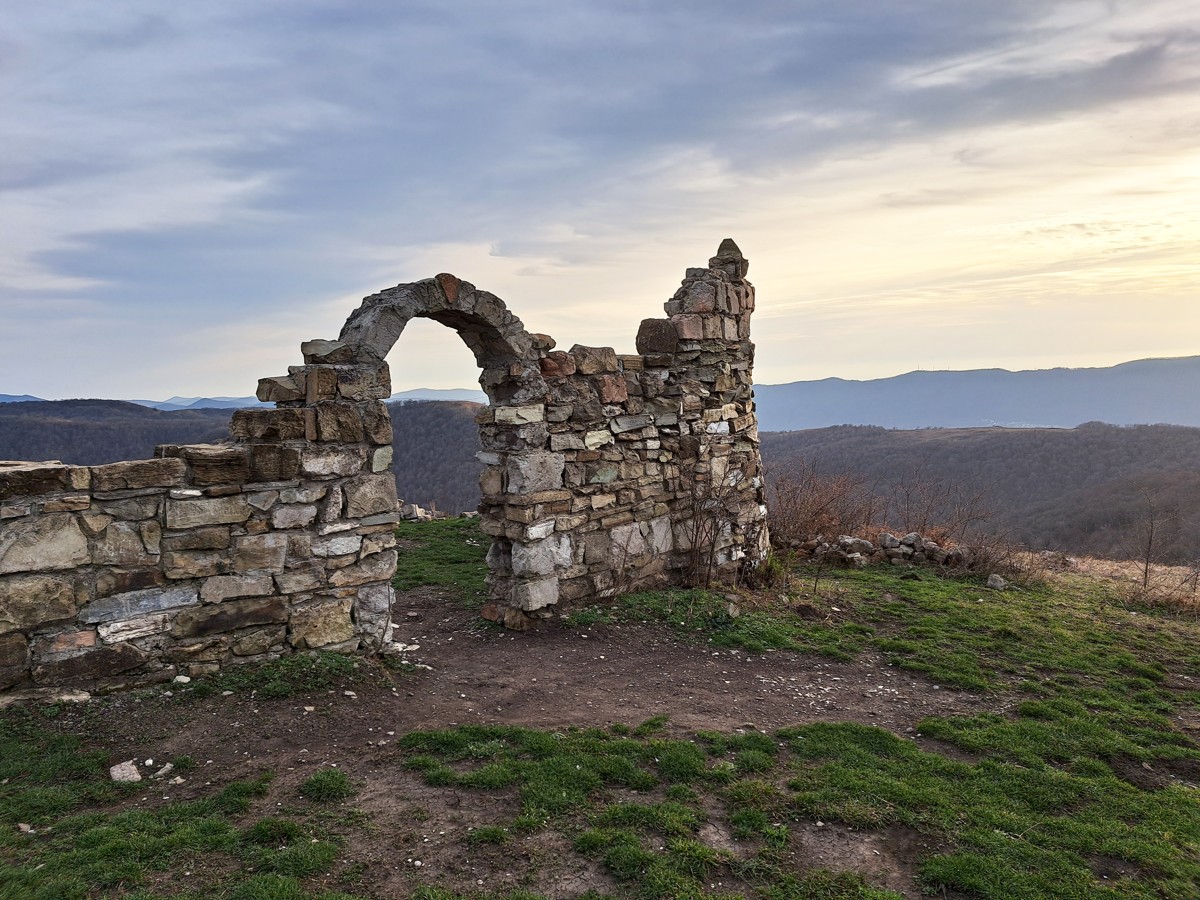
<point>125,772</point>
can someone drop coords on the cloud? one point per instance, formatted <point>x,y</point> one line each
<point>246,163</point>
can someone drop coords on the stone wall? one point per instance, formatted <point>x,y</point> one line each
<point>603,472</point>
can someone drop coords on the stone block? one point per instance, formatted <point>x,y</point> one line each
<point>657,336</point>
<point>223,587</point>
<point>373,382</point>
<point>377,422</point>
<point>258,642</point>
<point>307,578</point>
<point>195,563</point>
<point>566,442</point>
<point>129,629</point>
<point>339,545</point>
<point>611,389</point>
<point>320,383</point>
<point>36,478</point>
<point>213,537</point>
<point>31,601</point>
<point>98,663</point>
<point>76,503</point>
<point>688,327</point>
<point>216,464</point>
<point>326,463</point>
<point>337,421</point>
<point>228,616</point>
<point>321,352</point>
<point>370,494</point>
<point>381,459</point>
<point>541,557</point>
<point>534,471</point>
<point>594,360</point>
<point>280,389</point>
<point>123,581</point>
<point>121,545</point>
<point>259,553</point>
<point>622,424</point>
<point>535,594</point>
<point>133,509</point>
<point>557,365</point>
<point>320,625</point>
<point>380,567</point>
<point>293,516</point>
<point>14,659</point>
<point>270,425</point>
<point>41,543</point>
<point>207,511</point>
<point>270,463</point>
<point>520,415</point>
<point>138,474</point>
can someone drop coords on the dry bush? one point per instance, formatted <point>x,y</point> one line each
<point>802,504</point>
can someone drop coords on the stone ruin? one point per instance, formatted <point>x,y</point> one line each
<point>603,472</point>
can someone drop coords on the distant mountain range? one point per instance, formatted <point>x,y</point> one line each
<point>1142,392</point>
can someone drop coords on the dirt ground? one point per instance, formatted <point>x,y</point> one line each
<point>549,678</point>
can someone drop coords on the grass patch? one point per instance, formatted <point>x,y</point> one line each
<point>446,553</point>
<point>327,786</point>
<point>297,673</point>
<point>707,614</point>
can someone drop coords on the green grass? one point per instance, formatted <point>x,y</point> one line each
<point>298,673</point>
<point>706,614</point>
<point>89,835</point>
<point>328,786</point>
<point>447,553</point>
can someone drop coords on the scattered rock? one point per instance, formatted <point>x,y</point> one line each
<point>996,583</point>
<point>126,772</point>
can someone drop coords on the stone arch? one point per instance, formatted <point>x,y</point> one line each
<point>507,355</point>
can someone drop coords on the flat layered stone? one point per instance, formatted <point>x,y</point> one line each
<point>380,567</point>
<point>369,495</point>
<point>260,553</point>
<point>271,463</point>
<point>529,472</point>
<point>293,516</point>
<point>280,388</point>
<point>207,511</point>
<point>323,625</point>
<point>38,478</point>
<point>121,544</point>
<point>228,616</point>
<point>14,659</point>
<point>269,425</point>
<point>31,601</point>
<point>129,629</point>
<point>594,360</point>
<point>89,665</point>
<point>220,588</point>
<point>328,462</point>
<point>134,604</point>
<point>138,474</point>
<point>195,563</point>
<point>41,543</point>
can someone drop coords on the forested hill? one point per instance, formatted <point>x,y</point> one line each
<point>1083,490</point>
<point>435,443</point>
<point>1143,391</point>
<point>91,432</point>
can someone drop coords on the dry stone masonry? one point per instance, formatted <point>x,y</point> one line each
<point>603,472</point>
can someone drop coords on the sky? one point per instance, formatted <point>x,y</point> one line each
<point>188,191</point>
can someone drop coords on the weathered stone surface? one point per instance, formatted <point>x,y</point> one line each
<point>280,388</point>
<point>338,422</point>
<point>320,625</point>
<point>41,543</point>
<point>121,545</point>
<point>317,352</point>
<point>535,594</point>
<point>370,494</point>
<point>339,545</point>
<point>558,365</point>
<point>307,578</point>
<point>377,423</point>
<point>222,587</point>
<point>528,473</point>
<point>228,616</point>
<point>657,336</point>
<point>327,462</point>
<point>541,557</point>
<point>256,643</point>
<point>140,473</point>
<point>520,415</point>
<point>182,564</point>
<point>270,462</point>
<point>91,664</point>
<point>75,503</point>
<point>122,581</point>
<point>611,389</point>
<point>381,459</point>
<point>138,603</point>
<point>269,425</point>
<point>129,629</point>
<point>217,464</point>
<point>380,567</point>
<point>35,478</point>
<point>214,537</point>
<point>372,382</point>
<point>293,516</point>
<point>259,553</point>
<point>594,360</point>
<point>29,601</point>
<point>207,511</point>
<point>132,510</point>
<point>14,659</point>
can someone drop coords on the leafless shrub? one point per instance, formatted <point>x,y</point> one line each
<point>804,503</point>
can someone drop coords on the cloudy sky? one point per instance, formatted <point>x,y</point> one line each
<point>187,191</point>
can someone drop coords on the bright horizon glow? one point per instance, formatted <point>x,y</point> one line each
<point>190,192</point>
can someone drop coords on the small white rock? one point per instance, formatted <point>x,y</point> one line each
<point>126,771</point>
<point>182,679</point>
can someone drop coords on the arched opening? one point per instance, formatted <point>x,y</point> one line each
<point>434,433</point>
